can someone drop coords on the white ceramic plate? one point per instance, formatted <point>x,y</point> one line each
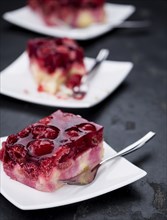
<point>111,176</point>
<point>26,18</point>
<point>17,82</point>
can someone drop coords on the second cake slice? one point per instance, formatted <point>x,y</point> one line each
<point>55,63</point>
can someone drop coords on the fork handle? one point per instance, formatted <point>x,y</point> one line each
<point>102,55</point>
<point>133,24</point>
<point>135,146</point>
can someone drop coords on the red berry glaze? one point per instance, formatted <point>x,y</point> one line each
<point>54,135</point>
<point>87,127</point>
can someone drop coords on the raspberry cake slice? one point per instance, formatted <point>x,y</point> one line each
<point>56,64</point>
<point>57,147</point>
<point>76,13</point>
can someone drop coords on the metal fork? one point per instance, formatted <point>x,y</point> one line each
<point>132,24</point>
<point>124,24</point>
<point>88,175</point>
<point>81,90</point>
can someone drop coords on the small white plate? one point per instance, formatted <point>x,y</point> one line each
<point>111,176</point>
<point>26,18</point>
<point>17,82</point>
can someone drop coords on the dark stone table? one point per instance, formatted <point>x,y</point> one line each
<point>137,106</point>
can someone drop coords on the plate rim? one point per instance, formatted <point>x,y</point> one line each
<point>136,177</point>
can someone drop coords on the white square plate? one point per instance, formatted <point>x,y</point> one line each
<point>112,175</point>
<point>16,81</point>
<point>26,18</point>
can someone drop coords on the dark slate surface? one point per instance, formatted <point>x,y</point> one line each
<point>137,106</point>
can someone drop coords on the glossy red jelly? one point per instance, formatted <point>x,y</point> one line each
<point>52,141</point>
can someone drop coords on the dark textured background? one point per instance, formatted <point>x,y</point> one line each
<point>137,106</point>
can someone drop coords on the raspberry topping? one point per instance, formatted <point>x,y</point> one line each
<point>12,139</point>
<point>1,154</point>
<point>55,53</point>
<point>42,131</point>
<point>40,147</point>
<point>25,132</point>
<point>46,120</point>
<point>74,80</point>
<point>52,141</point>
<point>72,132</point>
<point>87,127</point>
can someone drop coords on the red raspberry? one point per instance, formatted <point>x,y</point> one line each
<point>12,139</point>
<point>42,131</point>
<point>63,151</point>
<point>40,147</point>
<point>72,132</point>
<point>46,120</point>
<point>74,80</point>
<point>1,154</point>
<point>87,127</point>
<point>25,132</point>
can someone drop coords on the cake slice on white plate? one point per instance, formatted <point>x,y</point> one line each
<point>55,63</point>
<point>75,13</point>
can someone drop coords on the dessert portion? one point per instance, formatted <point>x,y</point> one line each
<point>56,63</point>
<point>57,147</point>
<point>76,13</point>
